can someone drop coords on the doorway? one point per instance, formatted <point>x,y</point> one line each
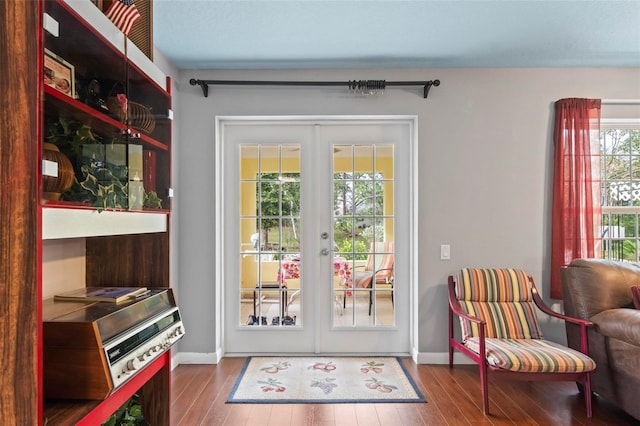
<point>316,234</point>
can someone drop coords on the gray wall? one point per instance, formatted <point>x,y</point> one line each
<point>485,151</point>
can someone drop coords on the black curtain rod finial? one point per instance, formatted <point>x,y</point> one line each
<point>202,84</point>
<point>427,86</point>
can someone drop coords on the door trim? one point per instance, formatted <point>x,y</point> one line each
<point>219,261</point>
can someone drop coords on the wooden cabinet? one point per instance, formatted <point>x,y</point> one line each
<point>128,250</point>
<point>123,245</point>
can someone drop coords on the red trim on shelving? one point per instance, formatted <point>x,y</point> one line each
<point>149,79</point>
<point>89,27</point>
<point>74,205</point>
<point>150,141</point>
<point>50,91</point>
<point>107,407</point>
<point>170,165</point>
<point>79,106</point>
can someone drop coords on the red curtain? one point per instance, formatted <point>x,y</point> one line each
<point>577,211</point>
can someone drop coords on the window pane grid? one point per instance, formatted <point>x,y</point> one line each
<point>620,169</point>
<point>270,219</point>
<point>363,214</point>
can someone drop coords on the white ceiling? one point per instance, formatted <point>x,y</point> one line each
<point>259,34</point>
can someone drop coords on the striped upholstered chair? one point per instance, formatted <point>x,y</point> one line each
<point>380,265</point>
<point>497,312</point>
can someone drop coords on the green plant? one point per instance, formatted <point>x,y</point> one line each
<point>100,188</point>
<point>95,183</point>
<point>346,249</point>
<point>70,135</point>
<point>130,414</point>
<point>152,201</point>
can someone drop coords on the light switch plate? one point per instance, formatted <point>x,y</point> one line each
<point>445,252</point>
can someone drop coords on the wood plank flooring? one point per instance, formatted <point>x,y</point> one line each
<point>453,398</point>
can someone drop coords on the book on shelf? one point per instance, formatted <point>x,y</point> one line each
<point>101,294</point>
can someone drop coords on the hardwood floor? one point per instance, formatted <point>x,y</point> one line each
<point>453,397</point>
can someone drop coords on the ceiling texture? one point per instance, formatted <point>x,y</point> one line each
<point>287,34</point>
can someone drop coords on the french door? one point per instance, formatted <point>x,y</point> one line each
<point>316,234</point>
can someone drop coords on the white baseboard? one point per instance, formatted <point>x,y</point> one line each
<point>195,358</point>
<point>418,358</point>
<point>441,358</point>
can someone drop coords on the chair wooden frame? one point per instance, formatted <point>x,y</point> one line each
<point>372,284</point>
<point>371,274</point>
<point>487,370</point>
<point>635,295</point>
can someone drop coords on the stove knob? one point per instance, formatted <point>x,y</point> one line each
<point>133,364</point>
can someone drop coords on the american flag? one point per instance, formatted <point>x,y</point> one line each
<point>124,14</point>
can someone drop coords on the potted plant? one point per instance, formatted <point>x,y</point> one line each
<point>130,414</point>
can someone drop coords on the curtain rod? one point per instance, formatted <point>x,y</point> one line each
<point>621,101</point>
<point>357,86</point>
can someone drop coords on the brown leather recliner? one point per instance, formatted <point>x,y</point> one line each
<point>600,291</point>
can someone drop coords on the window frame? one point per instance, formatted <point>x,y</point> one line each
<point>612,242</point>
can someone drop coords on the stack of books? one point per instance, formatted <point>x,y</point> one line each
<point>102,294</point>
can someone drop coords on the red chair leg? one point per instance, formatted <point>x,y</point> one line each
<point>587,395</point>
<point>450,337</point>
<point>485,388</point>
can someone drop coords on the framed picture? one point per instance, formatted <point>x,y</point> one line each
<point>58,73</point>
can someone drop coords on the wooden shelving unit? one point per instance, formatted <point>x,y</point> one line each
<point>128,255</point>
<point>124,245</point>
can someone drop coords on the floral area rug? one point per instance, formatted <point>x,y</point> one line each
<point>283,380</point>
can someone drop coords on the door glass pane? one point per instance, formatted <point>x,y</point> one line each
<point>363,217</point>
<point>269,235</point>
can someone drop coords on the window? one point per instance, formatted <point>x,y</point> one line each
<point>620,177</point>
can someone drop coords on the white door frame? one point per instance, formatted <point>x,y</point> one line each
<point>413,216</point>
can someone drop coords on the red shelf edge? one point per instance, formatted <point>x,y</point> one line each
<point>50,91</point>
<point>74,103</point>
<point>74,205</point>
<point>107,407</point>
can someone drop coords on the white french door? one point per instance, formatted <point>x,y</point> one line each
<point>316,234</point>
